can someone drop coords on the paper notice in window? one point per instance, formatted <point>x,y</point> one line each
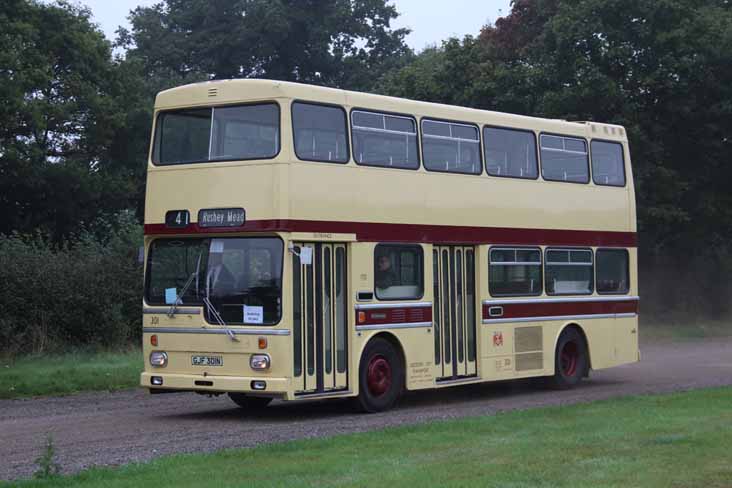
<point>253,315</point>
<point>170,295</point>
<point>217,246</point>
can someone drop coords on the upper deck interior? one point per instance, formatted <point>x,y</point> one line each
<point>286,186</point>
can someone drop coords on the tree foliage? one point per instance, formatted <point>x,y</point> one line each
<point>75,119</point>
<point>61,111</point>
<point>661,68</point>
<point>325,42</point>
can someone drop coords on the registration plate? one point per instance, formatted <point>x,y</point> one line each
<point>207,361</point>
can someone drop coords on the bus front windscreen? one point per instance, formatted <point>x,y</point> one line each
<point>240,277</point>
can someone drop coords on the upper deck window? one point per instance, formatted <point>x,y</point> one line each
<point>564,159</point>
<point>450,147</point>
<point>320,132</point>
<point>608,165</point>
<point>510,152</point>
<point>217,134</point>
<point>384,140</point>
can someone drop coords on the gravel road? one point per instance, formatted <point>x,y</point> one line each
<point>116,428</point>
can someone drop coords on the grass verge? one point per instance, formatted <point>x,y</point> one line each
<point>70,373</point>
<point>660,330</point>
<point>679,439</point>
<point>89,371</point>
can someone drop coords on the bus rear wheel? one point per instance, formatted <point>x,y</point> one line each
<point>571,360</point>
<point>249,402</point>
<point>381,376</point>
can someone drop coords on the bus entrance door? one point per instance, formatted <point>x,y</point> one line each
<point>454,311</point>
<point>320,318</point>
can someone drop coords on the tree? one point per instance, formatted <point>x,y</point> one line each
<point>58,119</point>
<point>346,43</point>
<point>456,73</point>
<point>663,69</point>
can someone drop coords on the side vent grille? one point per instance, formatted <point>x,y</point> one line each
<point>528,342</point>
<point>532,360</point>
<point>213,92</point>
<point>528,339</point>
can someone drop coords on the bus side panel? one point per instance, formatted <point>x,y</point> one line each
<point>418,359</point>
<point>626,340</point>
<point>417,344</point>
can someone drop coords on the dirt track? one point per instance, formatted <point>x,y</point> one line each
<point>104,429</point>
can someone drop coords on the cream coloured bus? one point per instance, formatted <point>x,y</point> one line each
<point>305,242</point>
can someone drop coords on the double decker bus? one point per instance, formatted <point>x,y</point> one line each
<point>304,242</point>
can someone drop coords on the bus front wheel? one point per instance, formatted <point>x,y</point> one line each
<point>381,376</point>
<point>571,360</point>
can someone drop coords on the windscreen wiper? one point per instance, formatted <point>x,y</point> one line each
<point>174,305</point>
<point>219,320</point>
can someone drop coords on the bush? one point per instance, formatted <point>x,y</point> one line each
<point>86,291</point>
<point>684,288</point>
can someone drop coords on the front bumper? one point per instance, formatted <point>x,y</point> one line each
<point>215,384</point>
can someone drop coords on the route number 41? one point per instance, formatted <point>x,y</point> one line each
<point>177,218</point>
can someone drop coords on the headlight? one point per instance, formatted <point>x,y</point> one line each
<point>158,359</point>
<point>259,361</point>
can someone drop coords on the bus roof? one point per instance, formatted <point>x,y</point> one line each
<point>222,92</point>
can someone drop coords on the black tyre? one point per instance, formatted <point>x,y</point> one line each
<point>571,361</point>
<point>381,376</point>
<point>249,402</point>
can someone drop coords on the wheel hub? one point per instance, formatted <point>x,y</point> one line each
<point>569,357</point>
<point>378,375</point>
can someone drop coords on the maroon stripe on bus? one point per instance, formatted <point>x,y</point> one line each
<point>447,234</point>
<point>553,309</point>
<point>401,315</point>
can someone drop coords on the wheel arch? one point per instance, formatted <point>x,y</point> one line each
<point>394,341</point>
<point>581,331</point>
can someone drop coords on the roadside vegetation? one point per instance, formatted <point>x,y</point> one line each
<point>70,373</point>
<point>83,292</point>
<point>75,126</point>
<point>678,329</point>
<point>73,372</point>
<point>681,439</point>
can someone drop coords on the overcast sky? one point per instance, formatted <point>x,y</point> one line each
<point>430,20</point>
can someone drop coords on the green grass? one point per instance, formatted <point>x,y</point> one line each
<point>69,373</point>
<point>677,440</point>
<point>76,372</point>
<point>659,330</point>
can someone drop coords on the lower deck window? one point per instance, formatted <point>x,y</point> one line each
<point>398,273</point>
<point>514,271</point>
<point>569,271</point>
<point>612,271</point>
